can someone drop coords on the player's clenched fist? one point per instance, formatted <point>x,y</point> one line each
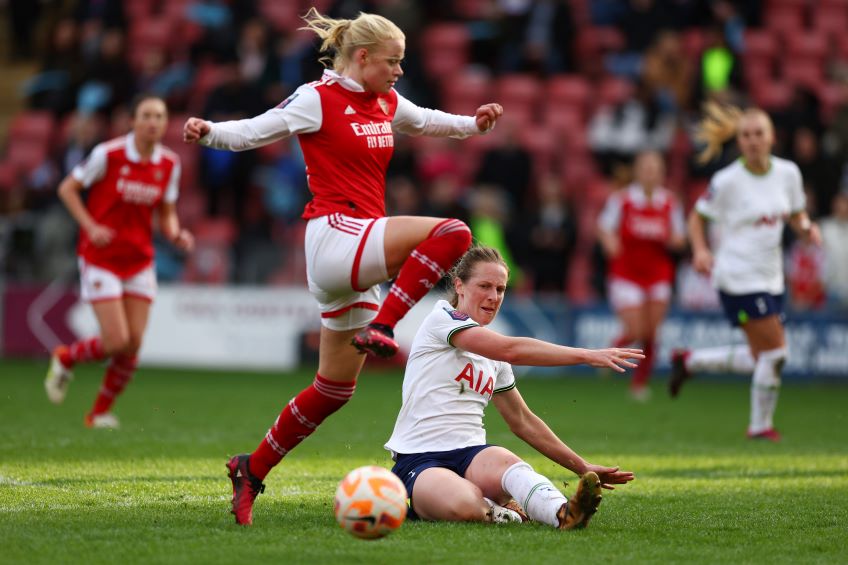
<point>194,129</point>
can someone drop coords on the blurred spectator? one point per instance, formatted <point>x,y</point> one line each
<point>162,77</point>
<point>23,17</point>
<point>445,198</point>
<point>489,225</point>
<point>551,234</point>
<point>837,134</point>
<point>508,166</point>
<point>225,174</point>
<point>255,255</point>
<point>258,62</point>
<point>640,123</point>
<point>537,36</point>
<point>402,198</point>
<point>667,71</point>
<point>54,87</point>
<point>640,23</point>
<point>719,68</point>
<point>109,81</point>
<point>819,171</point>
<point>834,230</point>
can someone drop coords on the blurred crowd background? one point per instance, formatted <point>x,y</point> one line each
<point>585,85</point>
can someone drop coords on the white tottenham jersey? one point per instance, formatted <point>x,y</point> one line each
<point>301,113</point>
<point>445,389</point>
<point>751,211</point>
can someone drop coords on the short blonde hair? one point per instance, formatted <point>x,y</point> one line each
<point>341,37</point>
<point>721,124</point>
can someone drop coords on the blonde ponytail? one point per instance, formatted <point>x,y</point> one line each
<point>719,125</point>
<point>341,37</point>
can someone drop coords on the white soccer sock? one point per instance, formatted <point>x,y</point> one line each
<point>765,389</point>
<point>725,358</point>
<point>534,492</point>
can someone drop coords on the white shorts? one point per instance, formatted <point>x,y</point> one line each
<point>624,293</point>
<point>98,284</point>
<point>343,253</point>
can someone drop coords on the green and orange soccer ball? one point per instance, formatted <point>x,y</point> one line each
<point>370,502</point>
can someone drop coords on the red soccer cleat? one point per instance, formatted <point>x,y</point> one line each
<point>246,488</point>
<point>679,373</point>
<point>376,339</point>
<point>770,434</point>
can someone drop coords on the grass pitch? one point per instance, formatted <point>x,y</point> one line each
<point>156,491</point>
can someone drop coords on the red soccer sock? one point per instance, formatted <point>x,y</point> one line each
<point>642,373</point>
<point>118,374</point>
<point>301,416</point>
<point>423,269</point>
<point>83,350</point>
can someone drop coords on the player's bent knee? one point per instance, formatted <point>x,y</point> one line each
<point>455,232</point>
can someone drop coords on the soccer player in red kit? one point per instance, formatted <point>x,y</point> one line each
<point>345,124</point>
<point>638,229</point>
<point>127,178</point>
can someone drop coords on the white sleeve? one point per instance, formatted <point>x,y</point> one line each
<point>505,379</point>
<point>413,120</point>
<point>708,203</point>
<point>172,191</point>
<point>91,169</point>
<point>797,198</point>
<point>445,323</point>
<point>299,113</point>
<point>610,217</point>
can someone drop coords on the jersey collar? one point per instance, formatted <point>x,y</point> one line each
<point>747,168</point>
<point>346,82</point>
<point>135,157</point>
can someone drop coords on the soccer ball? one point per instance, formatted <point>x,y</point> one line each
<point>370,502</point>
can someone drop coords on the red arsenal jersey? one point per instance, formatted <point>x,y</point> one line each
<point>644,228</point>
<point>346,160</point>
<point>123,191</point>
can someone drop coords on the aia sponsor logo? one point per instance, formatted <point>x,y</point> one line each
<point>768,220</point>
<point>483,385</point>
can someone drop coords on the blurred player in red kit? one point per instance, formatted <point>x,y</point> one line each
<point>126,178</point>
<point>639,228</point>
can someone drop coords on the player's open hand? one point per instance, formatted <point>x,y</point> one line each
<point>184,241</point>
<point>610,475</point>
<point>702,261</point>
<point>100,235</point>
<point>487,115</point>
<point>615,358</point>
<point>195,129</point>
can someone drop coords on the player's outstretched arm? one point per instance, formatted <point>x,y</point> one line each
<point>529,351</point>
<point>69,194</point>
<point>533,430</point>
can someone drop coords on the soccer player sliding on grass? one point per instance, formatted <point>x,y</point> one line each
<point>455,367</point>
<point>345,124</point>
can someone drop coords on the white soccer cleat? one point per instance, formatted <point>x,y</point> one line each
<point>105,421</point>
<point>502,515</point>
<point>57,380</point>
